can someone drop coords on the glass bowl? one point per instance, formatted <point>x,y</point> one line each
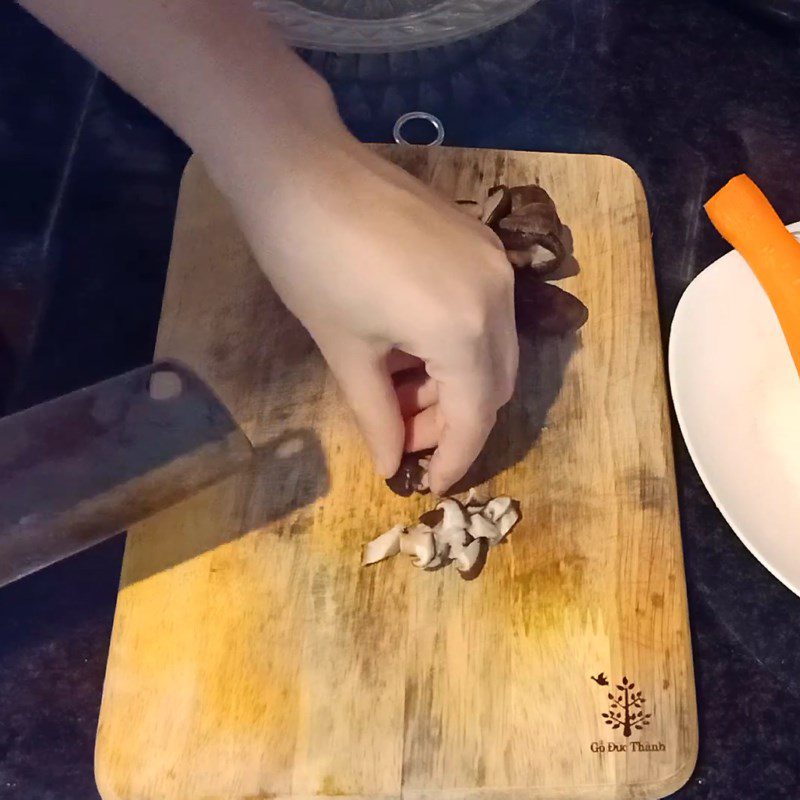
<point>384,26</point>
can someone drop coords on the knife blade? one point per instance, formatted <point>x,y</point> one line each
<point>83,467</point>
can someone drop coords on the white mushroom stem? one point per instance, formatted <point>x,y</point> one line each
<point>385,546</point>
<point>465,557</point>
<point>418,542</point>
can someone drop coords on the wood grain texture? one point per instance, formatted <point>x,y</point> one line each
<point>253,658</point>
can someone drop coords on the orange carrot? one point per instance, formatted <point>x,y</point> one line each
<point>744,216</point>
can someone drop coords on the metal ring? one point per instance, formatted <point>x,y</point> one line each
<point>435,121</point>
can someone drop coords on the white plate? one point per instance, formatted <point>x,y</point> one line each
<point>737,397</point>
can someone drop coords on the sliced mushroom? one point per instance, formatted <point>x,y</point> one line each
<point>507,522</point>
<point>529,193</point>
<point>466,556</point>
<point>412,475</point>
<point>543,308</point>
<point>542,259</point>
<point>439,560</point>
<point>451,533</point>
<point>418,542</point>
<point>497,205</point>
<point>385,546</point>
<point>496,508</point>
<point>532,232</point>
<point>535,230</point>
<point>504,513</point>
<point>454,516</point>
<point>482,528</point>
<point>432,518</point>
<point>450,537</point>
<point>470,207</point>
<point>475,501</point>
<point>480,562</point>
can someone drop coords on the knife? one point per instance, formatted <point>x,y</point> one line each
<point>79,469</point>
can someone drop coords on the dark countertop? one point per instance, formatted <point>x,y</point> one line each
<point>688,92</point>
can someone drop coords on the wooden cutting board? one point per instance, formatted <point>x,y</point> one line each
<point>252,657</point>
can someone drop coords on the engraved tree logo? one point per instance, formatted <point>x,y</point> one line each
<point>626,709</point>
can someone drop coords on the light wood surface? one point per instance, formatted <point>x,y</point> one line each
<point>253,658</point>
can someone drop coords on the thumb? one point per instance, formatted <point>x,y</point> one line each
<point>363,375</point>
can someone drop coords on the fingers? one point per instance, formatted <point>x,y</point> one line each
<point>415,393</point>
<point>423,430</point>
<point>474,382</point>
<point>467,422</point>
<point>364,378</point>
<point>398,361</point>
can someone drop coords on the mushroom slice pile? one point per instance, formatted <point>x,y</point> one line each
<point>452,533</point>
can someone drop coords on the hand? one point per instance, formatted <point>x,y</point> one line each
<point>389,278</point>
<point>372,262</point>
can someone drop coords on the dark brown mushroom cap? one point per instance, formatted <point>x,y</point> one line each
<point>524,195</point>
<point>527,225</point>
<point>533,226</point>
<point>409,477</point>
<point>544,308</point>
<point>433,517</point>
<point>528,194</point>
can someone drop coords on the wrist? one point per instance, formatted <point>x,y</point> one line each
<point>267,131</point>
